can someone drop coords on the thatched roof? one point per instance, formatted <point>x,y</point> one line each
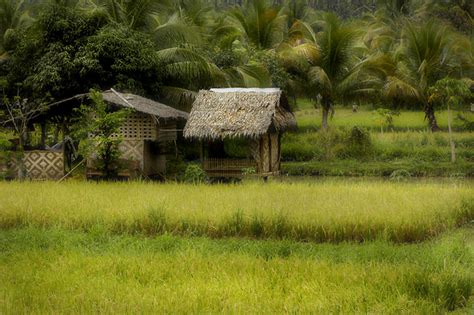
<point>143,105</point>
<point>222,113</point>
<point>138,103</point>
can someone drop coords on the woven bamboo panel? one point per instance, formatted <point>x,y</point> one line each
<point>139,126</point>
<point>42,165</point>
<point>132,150</point>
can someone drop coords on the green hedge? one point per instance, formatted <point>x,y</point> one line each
<point>358,168</point>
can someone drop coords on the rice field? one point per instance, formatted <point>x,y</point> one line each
<point>317,211</point>
<point>320,246</point>
<point>56,271</point>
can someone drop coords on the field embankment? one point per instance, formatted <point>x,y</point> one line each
<point>325,211</point>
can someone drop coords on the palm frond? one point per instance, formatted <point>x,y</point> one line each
<point>318,77</point>
<point>397,88</point>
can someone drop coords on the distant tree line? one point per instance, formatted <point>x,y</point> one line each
<point>389,53</point>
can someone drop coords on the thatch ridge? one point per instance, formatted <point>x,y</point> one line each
<point>230,113</point>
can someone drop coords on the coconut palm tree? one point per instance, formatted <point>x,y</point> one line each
<point>134,14</point>
<point>326,67</point>
<point>425,55</point>
<point>13,15</point>
<point>259,23</point>
<point>183,40</point>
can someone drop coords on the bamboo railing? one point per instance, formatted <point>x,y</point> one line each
<point>228,167</point>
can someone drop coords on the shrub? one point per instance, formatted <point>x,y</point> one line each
<point>358,143</point>
<point>194,174</point>
<point>400,175</point>
<point>175,168</point>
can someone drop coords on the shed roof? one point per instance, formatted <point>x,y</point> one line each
<point>238,112</point>
<point>143,105</point>
<point>138,103</point>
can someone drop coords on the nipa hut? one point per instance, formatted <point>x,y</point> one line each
<point>240,130</point>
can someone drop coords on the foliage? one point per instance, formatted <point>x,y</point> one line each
<point>12,18</point>
<point>21,113</point>
<point>400,175</point>
<point>385,117</point>
<point>356,168</point>
<point>42,56</point>
<point>117,56</point>
<point>260,23</point>
<point>359,143</point>
<point>324,66</point>
<point>194,174</point>
<point>98,128</point>
<point>426,54</point>
<point>451,92</point>
<point>249,171</point>
<point>386,147</point>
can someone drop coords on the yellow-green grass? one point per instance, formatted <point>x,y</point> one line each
<point>56,271</point>
<point>344,117</point>
<point>322,211</point>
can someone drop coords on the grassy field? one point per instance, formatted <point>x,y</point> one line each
<point>409,146</point>
<point>310,119</point>
<point>322,211</point>
<point>59,271</point>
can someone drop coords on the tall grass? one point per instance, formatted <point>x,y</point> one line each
<point>57,271</point>
<point>320,211</point>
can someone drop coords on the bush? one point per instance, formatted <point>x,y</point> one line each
<point>400,175</point>
<point>377,168</point>
<point>175,168</point>
<point>335,143</point>
<point>194,174</point>
<point>358,143</point>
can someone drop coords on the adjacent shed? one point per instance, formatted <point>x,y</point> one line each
<point>146,133</point>
<point>251,120</point>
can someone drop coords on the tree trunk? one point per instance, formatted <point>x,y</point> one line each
<point>451,141</point>
<point>326,105</point>
<point>21,174</point>
<point>325,118</point>
<point>430,115</point>
<point>43,135</point>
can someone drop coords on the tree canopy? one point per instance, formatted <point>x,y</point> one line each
<point>384,52</point>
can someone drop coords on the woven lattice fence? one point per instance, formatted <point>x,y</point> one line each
<point>39,165</point>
